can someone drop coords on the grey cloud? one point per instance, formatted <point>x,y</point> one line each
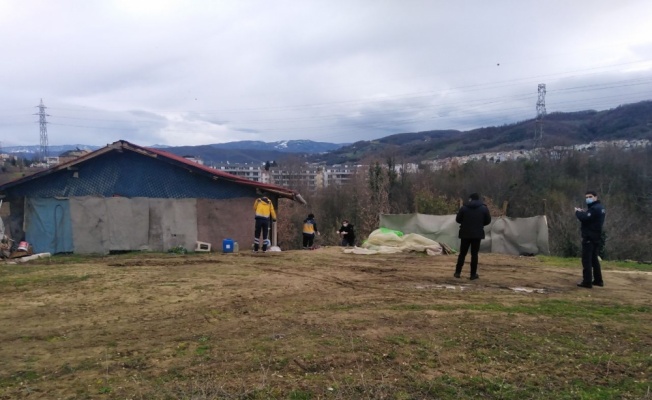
<point>245,130</point>
<point>208,72</point>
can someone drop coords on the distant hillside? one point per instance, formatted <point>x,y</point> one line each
<point>211,155</point>
<point>631,121</point>
<point>284,146</point>
<point>246,151</point>
<point>253,151</point>
<point>30,151</point>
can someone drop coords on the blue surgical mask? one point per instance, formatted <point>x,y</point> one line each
<point>589,200</point>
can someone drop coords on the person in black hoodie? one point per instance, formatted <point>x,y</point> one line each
<point>592,220</point>
<point>347,234</point>
<point>472,217</point>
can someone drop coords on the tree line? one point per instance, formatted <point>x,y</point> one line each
<point>553,184</point>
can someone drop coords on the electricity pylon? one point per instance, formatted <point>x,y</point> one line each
<point>43,150</point>
<point>541,113</point>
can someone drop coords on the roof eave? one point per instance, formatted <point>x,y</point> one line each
<point>121,145</point>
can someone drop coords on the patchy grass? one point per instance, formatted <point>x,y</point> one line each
<point>321,325</point>
<point>605,264</point>
<point>549,308</point>
<point>35,279</point>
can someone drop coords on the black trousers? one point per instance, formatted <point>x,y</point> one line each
<point>591,270</point>
<point>262,225</point>
<point>308,239</point>
<point>348,241</point>
<point>474,244</point>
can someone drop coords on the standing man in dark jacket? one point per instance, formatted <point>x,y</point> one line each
<point>592,220</point>
<point>472,217</point>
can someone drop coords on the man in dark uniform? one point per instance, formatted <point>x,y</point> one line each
<point>472,217</point>
<point>592,220</point>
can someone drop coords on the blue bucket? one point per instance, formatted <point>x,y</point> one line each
<point>227,245</point>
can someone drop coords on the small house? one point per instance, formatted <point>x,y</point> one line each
<point>125,197</point>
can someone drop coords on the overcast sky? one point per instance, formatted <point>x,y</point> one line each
<point>201,72</point>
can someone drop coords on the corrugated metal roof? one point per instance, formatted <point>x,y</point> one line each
<point>180,162</point>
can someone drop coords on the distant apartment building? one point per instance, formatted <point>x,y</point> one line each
<point>255,173</point>
<point>408,168</point>
<point>338,174</point>
<point>312,177</point>
<point>307,176</point>
<point>555,152</point>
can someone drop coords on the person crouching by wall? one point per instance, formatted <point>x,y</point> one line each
<point>472,217</point>
<point>264,210</point>
<point>347,234</point>
<point>309,231</point>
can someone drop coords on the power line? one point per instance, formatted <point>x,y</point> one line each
<point>368,118</point>
<point>396,110</point>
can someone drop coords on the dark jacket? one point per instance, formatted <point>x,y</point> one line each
<point>472,217</point>
<point>592,221</point>
<point>350,234</point>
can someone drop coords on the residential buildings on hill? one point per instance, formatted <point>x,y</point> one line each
<point>556,151</point>
<point>310,176</point>
<point>319,176</point>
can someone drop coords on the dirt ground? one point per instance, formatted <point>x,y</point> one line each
<point>320,324</point>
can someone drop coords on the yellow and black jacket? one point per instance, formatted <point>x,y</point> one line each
<point>309,226</point>
<point>264,208</point>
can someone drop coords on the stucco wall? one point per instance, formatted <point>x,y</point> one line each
<point>221,219</point>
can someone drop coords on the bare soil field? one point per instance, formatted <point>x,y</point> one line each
<point>321,325</point>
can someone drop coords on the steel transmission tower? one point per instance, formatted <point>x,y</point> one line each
<point>43,153</point>
<point>541,113</point>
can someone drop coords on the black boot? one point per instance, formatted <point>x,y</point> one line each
<point>474,272</point>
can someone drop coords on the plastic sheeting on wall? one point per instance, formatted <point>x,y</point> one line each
<point>503,235</point>
<point>100,225</point>
<point>104,224</point>
<point>47,225</point>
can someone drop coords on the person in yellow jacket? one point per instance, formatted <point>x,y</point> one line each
<point>309,231</point>
<point>265,214</point>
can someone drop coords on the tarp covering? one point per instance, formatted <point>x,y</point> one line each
<point>47,225</point>
<point>503,235</point>
<point>172,223</point>
<point>383,242</point>
<point>103,224</point>
<point>92,224</point>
